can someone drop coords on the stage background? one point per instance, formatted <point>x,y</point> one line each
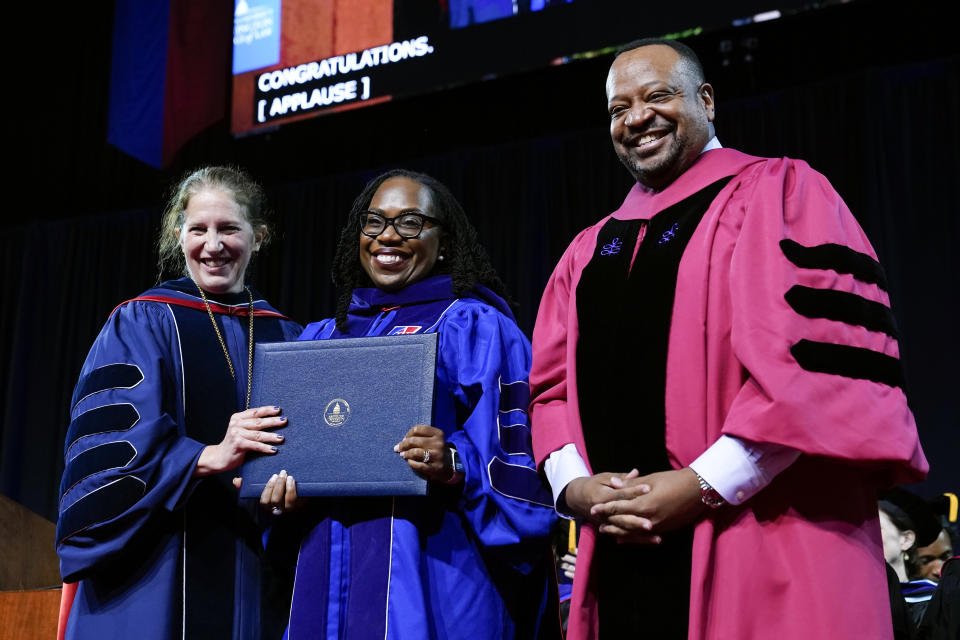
<point>868,93</point>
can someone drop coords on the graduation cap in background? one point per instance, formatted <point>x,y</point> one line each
<point>945,506</point>
<point>918,512</point>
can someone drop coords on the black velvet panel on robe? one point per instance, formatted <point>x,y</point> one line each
<point>215,519</point>
<point>624,316</point>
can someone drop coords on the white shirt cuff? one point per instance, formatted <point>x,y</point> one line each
<point>738,468</point>
<point>562,466</point>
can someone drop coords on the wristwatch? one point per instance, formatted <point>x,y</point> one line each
<point>708,495</point>
<point>455,464</point>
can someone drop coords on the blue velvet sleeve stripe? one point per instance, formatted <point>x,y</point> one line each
<point>837,258</point>
<point>514,396</point>
<point>519,482</point>
<point>100,505</point>
<point>112,417</point>
<point>111,455</point>
<point>851,362</point>
<point>110,376</point>
<point>515,434</point>
<point>842,307</point>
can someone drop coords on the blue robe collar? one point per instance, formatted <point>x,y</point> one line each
<point>370,300</point>
<point>185,293</point>
<point>187,286</point>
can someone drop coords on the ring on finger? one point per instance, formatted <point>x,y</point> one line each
<point>276,511</point>
<point>426,456</point>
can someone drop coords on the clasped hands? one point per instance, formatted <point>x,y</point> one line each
<point>634,508</point>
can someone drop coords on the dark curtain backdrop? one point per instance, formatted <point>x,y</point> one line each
<point>887,138</point>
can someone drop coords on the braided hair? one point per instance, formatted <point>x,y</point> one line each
<point>464,259</point>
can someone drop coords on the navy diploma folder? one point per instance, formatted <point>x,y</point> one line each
<point>348,402</point>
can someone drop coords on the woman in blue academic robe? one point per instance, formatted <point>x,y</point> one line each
<point>150,532</point>
<point>472,558</point>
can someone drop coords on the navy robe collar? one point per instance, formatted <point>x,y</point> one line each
<point>186,285</point>
<point>370,300</point>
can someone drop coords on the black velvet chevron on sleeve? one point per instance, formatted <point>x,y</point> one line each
<point>111,376</point>
<point>515,396</point>
<point>843,307</point>
<point>851,362</point>
<point>111,417</point>
<point>111,455</point>
<point>100,505</point>
<point>838,258</point>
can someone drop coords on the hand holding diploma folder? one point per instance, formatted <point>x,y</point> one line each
<point>348,403</point>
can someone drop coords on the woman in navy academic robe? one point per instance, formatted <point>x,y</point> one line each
<point>471,559</point>
<point>150,532</point>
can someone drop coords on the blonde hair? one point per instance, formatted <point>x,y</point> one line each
<point>245,191</point>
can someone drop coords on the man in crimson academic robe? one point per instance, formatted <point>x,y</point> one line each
<point>716,386</point>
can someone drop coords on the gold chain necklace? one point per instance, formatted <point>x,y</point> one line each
<point>223,344</point>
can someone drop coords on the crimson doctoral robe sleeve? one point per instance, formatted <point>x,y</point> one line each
<point>812,326</point>
<point>554,343</point>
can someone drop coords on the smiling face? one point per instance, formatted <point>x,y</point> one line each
<point>217,241</point>
<point>393,262</point>
<point>660,117</point>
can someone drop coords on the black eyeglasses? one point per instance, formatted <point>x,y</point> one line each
<point>407,225</point>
